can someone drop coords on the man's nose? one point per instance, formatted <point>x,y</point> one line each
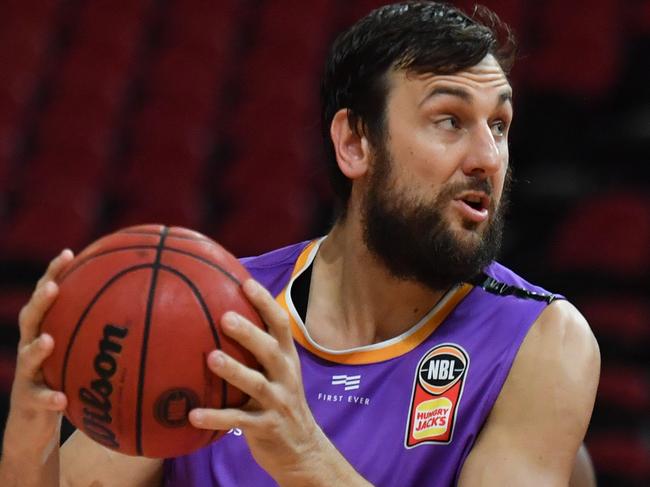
<point>484,156</point>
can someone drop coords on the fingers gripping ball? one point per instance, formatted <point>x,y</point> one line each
<point>137,313</point>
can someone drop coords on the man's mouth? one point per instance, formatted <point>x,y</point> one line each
<point>474,205</point>
<point>476,199</point>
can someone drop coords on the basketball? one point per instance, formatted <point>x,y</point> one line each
<point>138,312</point>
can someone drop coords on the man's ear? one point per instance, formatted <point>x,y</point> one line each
<point>352,150</point>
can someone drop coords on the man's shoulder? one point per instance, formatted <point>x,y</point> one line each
<point>498,279</point>
<point>562,328</point>
<point>278,257</point>
<point>559,329</point>
<point>542,411</point>
<point>273,269</point>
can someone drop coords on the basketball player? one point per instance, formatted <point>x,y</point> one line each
<point>398,352</point>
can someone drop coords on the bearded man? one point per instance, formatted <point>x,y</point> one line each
<point>398,352</point>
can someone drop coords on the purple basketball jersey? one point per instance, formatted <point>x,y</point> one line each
<point>403,412</point>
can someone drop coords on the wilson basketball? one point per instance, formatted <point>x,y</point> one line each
<point>137,313</point>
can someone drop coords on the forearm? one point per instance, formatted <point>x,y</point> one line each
<point>28,465</point>
<point>30,453</point>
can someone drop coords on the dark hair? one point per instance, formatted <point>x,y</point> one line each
<point>421,37</point>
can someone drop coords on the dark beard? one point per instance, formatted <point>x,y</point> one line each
<point>413,240</point>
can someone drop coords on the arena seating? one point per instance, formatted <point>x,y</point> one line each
<point>603,246</point>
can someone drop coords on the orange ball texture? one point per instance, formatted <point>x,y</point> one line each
<point>138,312</point>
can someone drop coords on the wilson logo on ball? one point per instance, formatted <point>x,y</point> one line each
<point>97,416</point>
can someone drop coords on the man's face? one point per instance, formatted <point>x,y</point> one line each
<point>433,204</point>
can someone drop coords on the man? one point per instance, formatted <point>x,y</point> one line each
<point>398,352</point>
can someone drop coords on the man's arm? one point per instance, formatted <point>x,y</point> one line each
<point>30,450</point>
<point>539,420</point>
<point>277,423</point>
<point>583,474</point>
<point>85,462</point>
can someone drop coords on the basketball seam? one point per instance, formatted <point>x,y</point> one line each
<point>88,258</point>
<point>206,311</point>
<point>95,298</point>
<point>148,247</point>
<point>145,337</point>
<point>206,261</point>
<point>169,235</point>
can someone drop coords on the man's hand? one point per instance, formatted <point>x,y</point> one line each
<point>277,422</point>
<point>32,432</point>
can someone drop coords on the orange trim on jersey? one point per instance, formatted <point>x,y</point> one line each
<point>364,355</point>
<point>302,261</point>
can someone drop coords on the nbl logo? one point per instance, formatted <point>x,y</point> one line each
<point>441,371</point>
<point>437,391</point>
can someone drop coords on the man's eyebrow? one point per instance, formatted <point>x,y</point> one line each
<point>504,96</point>
<point>448,90</point>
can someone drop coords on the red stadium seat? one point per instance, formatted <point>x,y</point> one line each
<point>12,299</point>
<point>172,200</point>
<point>22,47</point>
<point>289,208</point>
<point>625,319</point>
<point>286,19</point>
<point>265,184</point>
<point>188,79</point>
<point>625,388</point>
<point>11,113</point>
<point>115,26</point>
<point>295,113</point>
<point>588,30</point>
<point>30,9</point>
<point>608,234</point>
<point>263,64</point>
<point>81,132</point>
<point>182,211</point>
<point>59,175</point>
<point>95,78</point>
<point>357,9</point>
<point>173,126</point>
<point>179,161</point>
<point>5,179</point>
<point>40,232</point>
<point>203,25</point>
<point>642,18</point>
<point>251,173</point>
<point>7,368</point>
<point>266,179</point>
<point>54,214</point>
<point>623,455</point>
<point>8,143</point>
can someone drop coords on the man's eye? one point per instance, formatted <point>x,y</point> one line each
<point>448,124</point>
<point>499,128</point>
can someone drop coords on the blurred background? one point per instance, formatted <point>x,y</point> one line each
<point>205,114</point>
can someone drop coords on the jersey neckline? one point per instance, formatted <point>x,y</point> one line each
<point>376,352</point>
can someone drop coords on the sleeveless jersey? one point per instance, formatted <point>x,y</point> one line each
<point>404,412</point>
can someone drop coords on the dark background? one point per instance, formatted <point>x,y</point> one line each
<point>204,114</point>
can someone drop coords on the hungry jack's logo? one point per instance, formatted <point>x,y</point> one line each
<point>437,391</point>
